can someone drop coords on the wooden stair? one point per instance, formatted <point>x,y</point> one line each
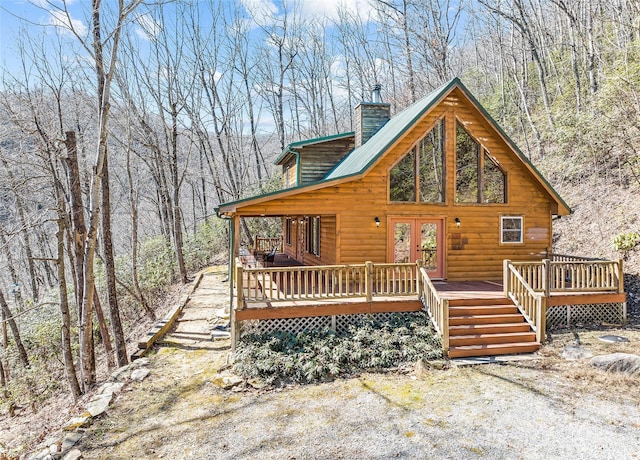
<point>488,327</point>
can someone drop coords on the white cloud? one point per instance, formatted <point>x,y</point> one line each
<point>148,27</point>
<point>60,19</point>
<point>329,8</point>
<point>260,9</point>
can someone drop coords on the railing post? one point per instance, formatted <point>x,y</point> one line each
<point>620,276</point>
<point>546,277</point>
<point>445,326</point>
<point>368,280</point>
<point>541,333</point>
<point>239,288</point>
<point>505,277</point>
<point>419,287</point>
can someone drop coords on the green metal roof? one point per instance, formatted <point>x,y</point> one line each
<point>359,160</point>
<point>317,140</point>
<point>362,158</point>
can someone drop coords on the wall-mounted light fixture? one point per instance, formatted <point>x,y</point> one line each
<point>377,221</point>
<point>457,221</point>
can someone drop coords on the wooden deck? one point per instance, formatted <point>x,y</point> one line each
<point>456,292</point>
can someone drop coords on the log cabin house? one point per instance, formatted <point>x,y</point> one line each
<point>432,209</point>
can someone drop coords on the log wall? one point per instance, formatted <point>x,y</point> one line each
<point>472,251</point>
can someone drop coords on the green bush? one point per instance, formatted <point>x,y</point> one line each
<point>313,356</point>
<point>625,242</point>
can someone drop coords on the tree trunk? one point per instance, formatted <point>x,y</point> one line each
<point>67,353</point>
<point>134,243</point>
<point>78,226</point>
<point>24,232</point>
<point>104,330</point>
<point>22,352</point>
<point>109,263</point>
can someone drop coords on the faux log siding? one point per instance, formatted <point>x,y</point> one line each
<point>357,203</point>
<point>289,172</point>
<point>318,159</point>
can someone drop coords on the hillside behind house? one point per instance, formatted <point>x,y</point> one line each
<point>115,149</point>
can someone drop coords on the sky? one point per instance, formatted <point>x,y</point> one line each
<point>46,18</point>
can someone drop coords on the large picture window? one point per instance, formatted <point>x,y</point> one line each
<point>511,229</point>
<point>419,175</point>
<point>479,178</point>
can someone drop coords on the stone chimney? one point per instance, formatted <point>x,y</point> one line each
<point>370,117</point>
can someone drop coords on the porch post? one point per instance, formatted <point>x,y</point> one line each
<point>234,231</point>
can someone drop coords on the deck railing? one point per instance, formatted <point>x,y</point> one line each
<point>567,275</point>
<point>437,307</point>
<point>279,284</point>
<point>265,244</point>
<point>531,304</point>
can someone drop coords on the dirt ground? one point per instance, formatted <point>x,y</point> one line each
<point>542,408</point>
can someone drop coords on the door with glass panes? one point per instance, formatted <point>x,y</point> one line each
<point>412,239</point>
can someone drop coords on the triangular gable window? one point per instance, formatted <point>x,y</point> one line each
<point>479,179</point>
<point>421,169</point>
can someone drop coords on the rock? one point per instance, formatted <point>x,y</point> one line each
<point>257,384</point>
<point>73,454</point>
<point>121,373</point>
<point>220,335</point>
<point>70,440</point>
<point>227,382</point>
<point>613,339</point>
<point>625,363</point>
<point>139,374</point>
<point>81,421</point>
<point>140,362</point>
<point>99,404</point>
<point>110,388</point>
<point>423,366</point>
<point>42,455</point>
<point>575,352</point>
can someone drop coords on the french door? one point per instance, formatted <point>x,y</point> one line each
<point>417,238</point>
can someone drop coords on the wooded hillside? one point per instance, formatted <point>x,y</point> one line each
<point>119,135</point>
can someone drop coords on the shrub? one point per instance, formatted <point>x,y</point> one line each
<point>313,356</point>
<point>625,242</point>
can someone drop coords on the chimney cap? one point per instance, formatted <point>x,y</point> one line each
<point>376,92</point>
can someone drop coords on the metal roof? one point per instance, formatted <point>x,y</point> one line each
<point>359,160</point>
<point>317,140</point>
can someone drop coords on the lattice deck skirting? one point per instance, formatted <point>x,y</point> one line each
<point>570,315</point>
<point>338,323</point>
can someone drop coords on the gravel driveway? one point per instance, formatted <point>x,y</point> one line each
<point>547,408</point>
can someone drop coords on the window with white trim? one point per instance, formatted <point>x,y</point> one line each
<point>511,229</point>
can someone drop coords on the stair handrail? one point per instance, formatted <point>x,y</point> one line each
<point>436,306</point>
<point>531,304</point>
